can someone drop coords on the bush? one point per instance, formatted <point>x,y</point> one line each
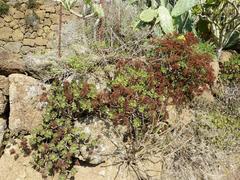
<point>3,8</point>
<point>186,71</point>
<point>132,101</point>
<point>173,74</point>
<point>56,143</point>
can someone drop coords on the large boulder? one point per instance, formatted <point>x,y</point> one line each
<point>26,108</point>
<point>37,66</point>
<point>96,129</point>
<point>11,63</point>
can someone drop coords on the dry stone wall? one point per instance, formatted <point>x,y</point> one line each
<point>25,30</point>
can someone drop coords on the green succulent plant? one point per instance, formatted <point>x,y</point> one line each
<point>222,16</point>
<point>167,16</point>
<point>230,70</point>
<point>56,143</point>
<point>96,8</point>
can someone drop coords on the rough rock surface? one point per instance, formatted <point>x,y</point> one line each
<point>21,169</point>
<point>206,97</point>
<point>225,56</point>
<point>216,70</point>
<point>40,66</point>
<point>96,130</point>
<point>25,107</point>
<point>5,33</point>
<point>10,63</point>
<point>174,117</point>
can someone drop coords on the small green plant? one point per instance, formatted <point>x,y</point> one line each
<point>230,70</point>
<point>32,4</point>
<point>56,143</point>
<point>82,64</point>
<point>4,8</point>
<point>206,47</point>
<point>226,130</point>
<point>132,101</point>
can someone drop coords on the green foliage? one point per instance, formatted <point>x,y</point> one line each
<point>140,90</point>
<point>230,70</point>
<point>226,129</point>
<point>132,101</point>
<point>148,15</point>
<point>98,10</point>
<point>166,17</point>
<point>82,64</point>
<point>183,6</point>
<point>56,143</point>
<point>69,4</point>
<point>4,8</point>
<point>222,16</point>
<point>206,47</point>
<point>136,97</point>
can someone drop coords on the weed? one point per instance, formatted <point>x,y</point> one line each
<point>4,8</point>
<point>230,70</point>
<point>82,64</point>
<point>32,4</point>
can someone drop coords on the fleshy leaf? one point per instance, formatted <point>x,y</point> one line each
<point>148,15</point>
<point>165,19</point>
<point>183,6</point>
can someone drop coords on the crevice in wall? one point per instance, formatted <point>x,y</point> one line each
<point>5,116</point>
<point>12,71</point>
<point>6,113</point>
